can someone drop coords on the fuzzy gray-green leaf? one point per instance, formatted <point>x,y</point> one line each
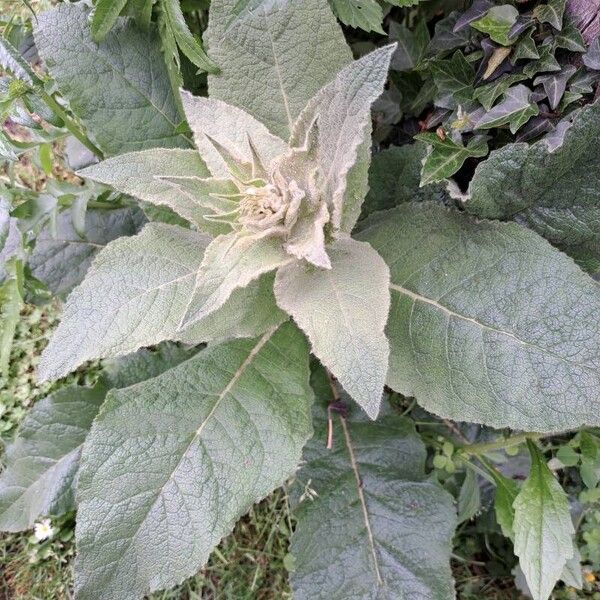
<point>489,323</point>
<point>274,56</point>
<point>556,193</point>
<point>119,87</point>
<point>171,464</point>
<point>369,524</point>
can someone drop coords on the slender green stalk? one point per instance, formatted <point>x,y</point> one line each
<point>69,123</point>
<point>509,442</point>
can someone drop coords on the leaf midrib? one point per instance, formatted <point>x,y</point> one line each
<point>419,298</point>
<point>234,379</point>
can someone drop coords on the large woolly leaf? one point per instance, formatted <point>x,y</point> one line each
<point>118,87</point>
<point>489,323</point>
<point>368,524</point>
<point>343,311</point>
<point>232,128</point>
<point>556,193</point>
<point>61,257</point>
<point>231,262</point>
<point>274,56</point>
<point>342,111</point>
<point>170,464</point>
<point>135,294</point>
<point>42,462</point>
<point>542,527</point>
<point>138,174</point>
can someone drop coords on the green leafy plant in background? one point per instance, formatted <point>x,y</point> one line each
<point>266,301</point>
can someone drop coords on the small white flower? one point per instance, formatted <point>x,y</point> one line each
<point>43,530</point>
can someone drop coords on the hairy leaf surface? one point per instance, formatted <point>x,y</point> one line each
<point>556,193</point>
<point>342,110</point>
<point>368,524</point>
<point>135,295</point>
<point>274,56</point>
<point>343,311</point>
<point>61,261</point>
<point>172,463</point>
<point>138,174</point>
<point>118,87</point>
<point>488,323</point>
<point>42,463</point>
<point>542,527</point>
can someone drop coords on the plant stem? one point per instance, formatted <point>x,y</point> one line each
<point>69,123</point>
<point>515,440</point>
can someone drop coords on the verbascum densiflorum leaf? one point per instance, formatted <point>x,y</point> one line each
<point>489,323</point>
<point>368,522</point>
<point>343,311</point>
<point>552,186</point>
<point>274,56</point>
<point>171,464</point>
<point>43,460</point>
<point>135,294</point>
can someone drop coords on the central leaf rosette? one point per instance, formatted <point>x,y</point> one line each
<point>280,200</point>
<point>272,220</point>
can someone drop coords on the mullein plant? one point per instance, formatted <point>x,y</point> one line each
<point>273,206</point>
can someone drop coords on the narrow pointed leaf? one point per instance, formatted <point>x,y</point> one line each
<point>105,16</point>
<point>343,113</point>
<point>171,464</point>
<point>368,524</point>
<point>274,56</point>
<point>456,345</point>
<point>232,128</point>
<point>343,311</point>
<point>543,528</point>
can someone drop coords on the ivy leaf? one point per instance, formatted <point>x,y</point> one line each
<point>515,109</point>
<point>547,62</point>
<point>268,35</point>
<point>171,464</point>
<point>343,113</point>
<point>369,524</point>
<point>119,88</point>
<point>552,13</point>
<point>555,84</point>
<point>565,208</point>
<point>454,76</point>
<point>61,257</point>
<point>42,462</point>
<point>525,49</point>
<point>543,527</point>
<point>105,16</point>
<point>135,295</point>
<point>364,14</point>
<point>570,38</point>
<point>455,343</point>
<point>489,93</point>
<point>497,23</point>
<point>395,176</point>
<point>411,45</point>
<point>351,302</point>
<point>135,174</point>
<point>446,157</point>
<point>477,10</point>
<point>591,59</point>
